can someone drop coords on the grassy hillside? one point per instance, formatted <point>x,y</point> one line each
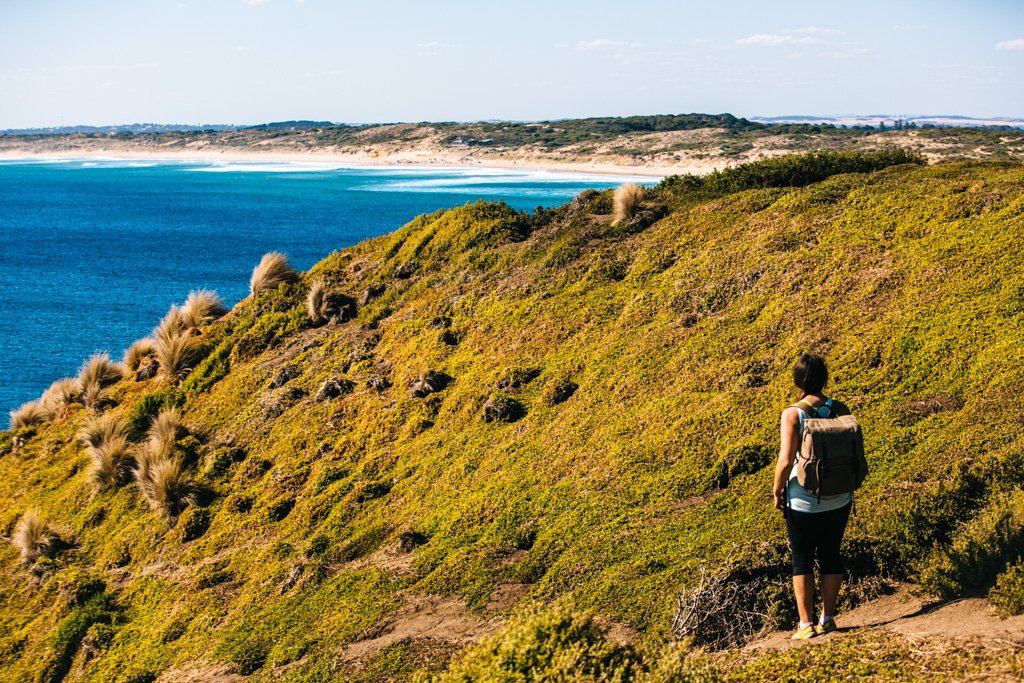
<point>580,409</point>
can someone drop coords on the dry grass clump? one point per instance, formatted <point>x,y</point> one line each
<point>272,271</point>
<point>60,395</point>
<point>137,352</point>
<point>174,353</point>
<point>160,474</point>
<point>316,301</point>
<point>146,459</point>
<point>95,375</point>
<point>166,485</point>
<point>31,413</point>
<point>32,537</point>
<point>201,308</point>
<point>110,461</point>
<point>172,324</point>
<point>99,369</point>
<point>102,428</point>
<point>164,430</point>
<point>95,397</point>
<point>626,202</point>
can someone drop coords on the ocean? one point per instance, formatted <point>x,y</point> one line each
<point>95,251</point>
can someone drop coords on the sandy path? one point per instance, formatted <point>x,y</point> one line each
<point>969,619</point>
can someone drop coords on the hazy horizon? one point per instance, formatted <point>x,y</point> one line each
<point>243,124</point>
<point>250,61</point>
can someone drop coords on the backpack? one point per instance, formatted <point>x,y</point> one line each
<point>831,457</point>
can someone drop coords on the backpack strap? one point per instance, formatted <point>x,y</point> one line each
<point>811,410</point>
<point>831,410</point>
<point>805,407</point>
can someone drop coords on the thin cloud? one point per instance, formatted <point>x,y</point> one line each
<point>815,30</point>
<point>776,40</point>
<point>605,44</point>
<point>1017,44</point>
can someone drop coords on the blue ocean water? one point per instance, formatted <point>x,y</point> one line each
<point>95,251</point>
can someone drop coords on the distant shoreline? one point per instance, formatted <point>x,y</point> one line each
<point>390,161</point>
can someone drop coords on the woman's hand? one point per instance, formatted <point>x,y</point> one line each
<point>780,499</point>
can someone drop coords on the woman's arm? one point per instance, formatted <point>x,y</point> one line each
<point>789,432</point>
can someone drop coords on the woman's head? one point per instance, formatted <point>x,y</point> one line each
<point>810,374</point>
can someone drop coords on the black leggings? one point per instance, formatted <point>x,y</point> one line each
<point>817,531</point>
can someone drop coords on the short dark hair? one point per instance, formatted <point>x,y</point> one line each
<point>810,374</point>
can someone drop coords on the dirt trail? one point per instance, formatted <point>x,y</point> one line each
<point>424,617</point>
<point>969,619</point>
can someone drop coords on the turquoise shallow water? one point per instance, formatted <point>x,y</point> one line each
<point>94,252</point>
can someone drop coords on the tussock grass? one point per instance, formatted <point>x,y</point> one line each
<point>100,370</point>
<point>60,395</point>
<point>626,202</point>
<point>316,301</point>
<point>109,461</point>
<point>32,536</point>
<point>175,353</point>
<point>137,351</point>
<point>147,458</point>
<point>166,485</point>
<point>94,396</point>
<point>164,430</point>
<point>201,308</point>
<point>272,271</point>
<point>172,324</point>
<point>31,413</point>
<point>95,375</point>
<point>105,427</point>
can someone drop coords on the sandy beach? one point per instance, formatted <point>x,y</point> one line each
<point>411,158</point>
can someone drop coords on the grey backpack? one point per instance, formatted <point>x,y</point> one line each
<point>831,457</point>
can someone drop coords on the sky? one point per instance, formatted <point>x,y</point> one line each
<point>251,61</point>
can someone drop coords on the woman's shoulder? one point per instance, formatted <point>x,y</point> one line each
<point>791,414</point>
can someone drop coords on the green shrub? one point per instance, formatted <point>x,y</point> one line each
<point>541,645</point>
<point>238,503</point>
<point>980,549</point>
<point>78,586</point>
<point>211,370</point>
<point>247,650</point>
<point>1008,594</point>
<point>147,407</point>
<point>791,170</point>
<point>267,331</point>
<point>194,522</point>
<point>138,675</point>
<point>748,457</point>
<point>174,630</point>
<point>100,635</point>
<point>279,509</point>
<point>100,609</point>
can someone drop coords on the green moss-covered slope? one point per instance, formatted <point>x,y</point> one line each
<point>632,377</point>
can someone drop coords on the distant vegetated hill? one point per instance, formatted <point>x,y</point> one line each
<point>684,141</point>
<point>530,428</point>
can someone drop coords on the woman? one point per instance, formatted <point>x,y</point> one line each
<point>815,525</point>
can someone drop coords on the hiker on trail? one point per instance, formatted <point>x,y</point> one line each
<point>816,522</point>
